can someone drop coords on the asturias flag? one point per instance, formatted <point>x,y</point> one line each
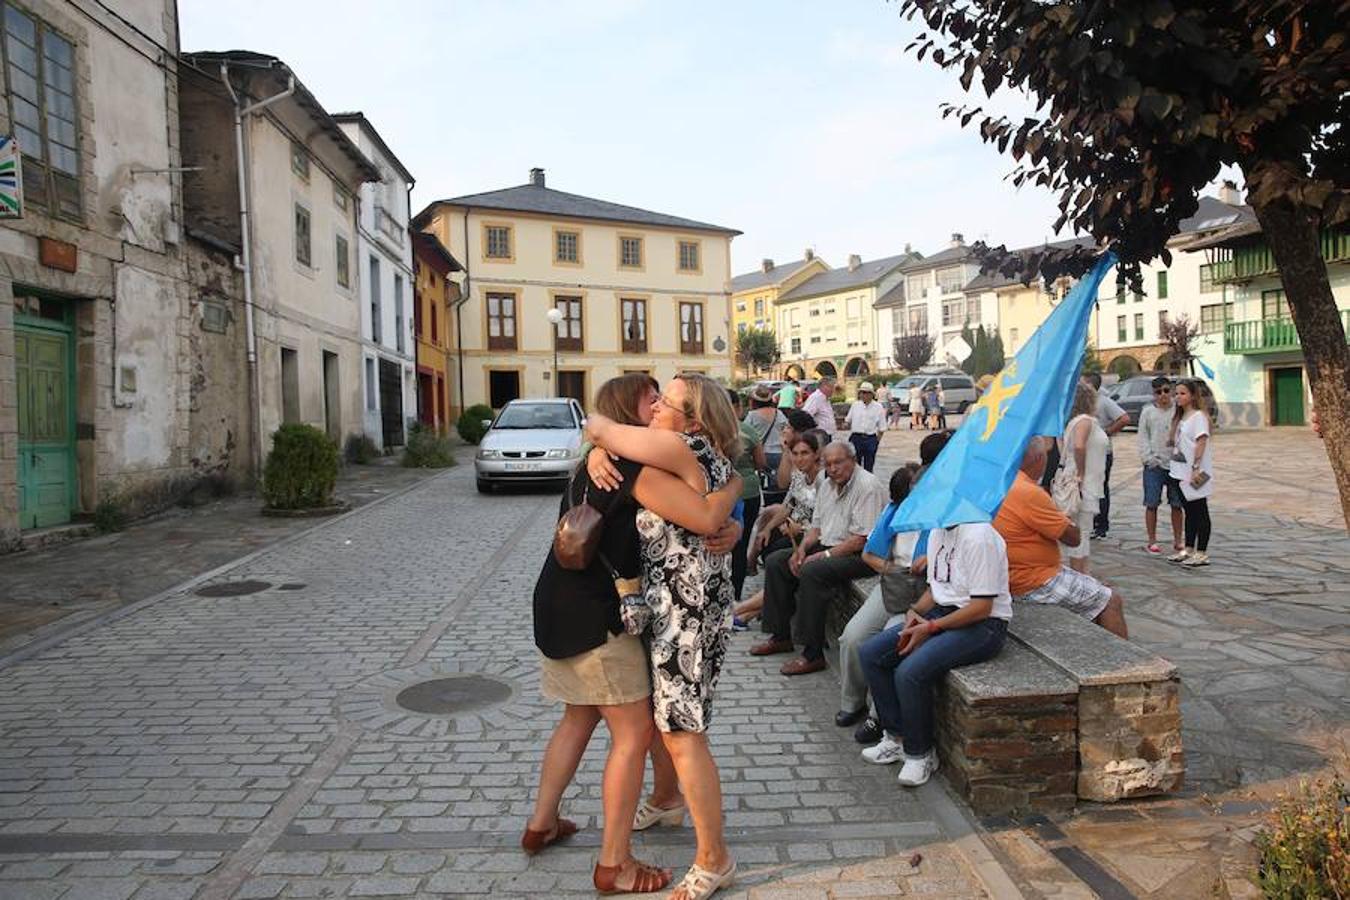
<point>1031,396</point>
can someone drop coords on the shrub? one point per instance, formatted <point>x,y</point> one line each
<point>301,471</point>
<point>427,449</point>
<point>360,449</point>
<point>1305,849</point>
<point>470,424</point>
<point>110,515</point>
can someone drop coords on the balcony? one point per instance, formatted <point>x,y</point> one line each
<point>1236,265</point>
<point>1267,335</point>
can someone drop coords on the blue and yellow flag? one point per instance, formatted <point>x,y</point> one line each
<point>1031,396</point>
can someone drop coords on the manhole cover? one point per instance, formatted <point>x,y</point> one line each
<point>459,693</point>
<point>233,588</point>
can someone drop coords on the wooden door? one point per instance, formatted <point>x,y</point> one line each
<point>1287,391</point>
<point>46,439</point>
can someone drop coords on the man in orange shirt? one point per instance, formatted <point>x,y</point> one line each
<point>1033,527</point>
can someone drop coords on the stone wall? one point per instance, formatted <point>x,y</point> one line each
<point>1130,740</point>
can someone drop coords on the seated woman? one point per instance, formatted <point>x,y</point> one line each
<point>590,663</point>
<point>961,619</point>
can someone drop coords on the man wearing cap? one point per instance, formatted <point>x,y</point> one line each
<point>866,420</point>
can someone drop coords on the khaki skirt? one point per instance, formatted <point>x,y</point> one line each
<point>616,672</point>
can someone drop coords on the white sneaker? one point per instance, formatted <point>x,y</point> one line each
<point>918,769</point>
<point>887,752</point>
<point>1179,556</point>
<point>1196,559</point>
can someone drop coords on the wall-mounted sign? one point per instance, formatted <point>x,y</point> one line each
<point>11,179</point>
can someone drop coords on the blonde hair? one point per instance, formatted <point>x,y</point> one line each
<point>1084,401</point>
<point>708,405</point>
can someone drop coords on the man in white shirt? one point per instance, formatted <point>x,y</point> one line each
<point>1113,419</point>
<point>961,619</point>
<point>818,406</point>
<point>866,420</point>
<point>1155,426</point>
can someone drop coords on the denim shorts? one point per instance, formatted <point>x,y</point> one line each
<point>1155,479</point>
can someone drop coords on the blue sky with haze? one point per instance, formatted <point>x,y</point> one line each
<point>801,124</point>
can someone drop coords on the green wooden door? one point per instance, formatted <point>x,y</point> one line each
<point>46,448</point>
<point>1288,392</point>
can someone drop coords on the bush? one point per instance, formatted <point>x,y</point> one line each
<point>301,471</point>
<point>110,515</point>
<point>427,449</point>
<point>1305,849</point>
<point>470,424</point>
<point>360,450</point>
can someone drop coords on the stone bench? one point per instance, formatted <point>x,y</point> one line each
<point>1067,710</point>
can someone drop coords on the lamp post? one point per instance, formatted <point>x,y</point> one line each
<point>555,317</point>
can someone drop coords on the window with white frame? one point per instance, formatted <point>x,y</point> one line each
<point>1212,317</point>
<point>953,312</point>
<point>949,281</point>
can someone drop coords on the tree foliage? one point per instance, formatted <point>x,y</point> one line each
<point>914,350</point>
<point>1092,362</point>
<point>1181,336</point>
<point>757,349</point>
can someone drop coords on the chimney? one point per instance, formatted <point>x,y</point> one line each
<point>909,248</point>
<point>958,240</point>
<point>809,254</point>
<point>767,265</point>
<point>1228,193</point>
<point>854,261</point>
<point>537,177</point>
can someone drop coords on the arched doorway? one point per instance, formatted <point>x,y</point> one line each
<point>1124,366</point>
<point>794,371</point>
<point>826,369</point>
<point>856,368</point>
<point>1167,363</point>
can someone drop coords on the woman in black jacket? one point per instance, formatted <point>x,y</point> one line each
<point>589,663</point>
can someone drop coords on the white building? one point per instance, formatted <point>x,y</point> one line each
<point>384,255</point>
<point>933,301</point>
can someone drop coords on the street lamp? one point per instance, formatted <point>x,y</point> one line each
<point>555,316</point>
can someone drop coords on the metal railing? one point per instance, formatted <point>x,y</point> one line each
<point>1267,335</point>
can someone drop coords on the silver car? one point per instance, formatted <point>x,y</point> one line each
<point>531,441</point>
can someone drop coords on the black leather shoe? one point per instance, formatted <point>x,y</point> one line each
<point>845,719</point>
<point>868,732</point>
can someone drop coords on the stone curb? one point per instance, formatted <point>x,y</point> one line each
<point>40,645</point>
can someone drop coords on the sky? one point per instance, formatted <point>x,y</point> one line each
<point>800,124</point>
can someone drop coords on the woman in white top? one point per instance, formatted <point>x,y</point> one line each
<point>1083,457</point>
<point>1192,466</point>
<point>915,406</point>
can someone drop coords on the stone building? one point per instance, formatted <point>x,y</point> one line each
<point>110,312</point>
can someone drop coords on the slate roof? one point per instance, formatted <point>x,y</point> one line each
<point>759,278</point>
<point>990,280</point>
<point>843,279</point>
<point>1216,223</point>
<point>894,297</point>
<point>941,258</point>
<point>536,198</point>
<point>431,245</point>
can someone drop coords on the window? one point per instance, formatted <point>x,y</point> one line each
<point>40,71</point>
<point>796,345</point>
<point>973,311</point>
<point>290,385</point>
<point>1273,305</point>
<point>918,320</point>
<point>1012,340</point>
<point>372,385</point>
<point>1162,322</point>
<point>569,329</point>
<point>689,257</point>
<point>759,306</point>
<point>1120,293</point>
<point>1138,326</point>
<point>501,313</point>
<point>691,328</point>
<point>299,160</point>
<point>567,247</point>
<point>304,253</point>
<point>399,339</point>
<point>435,324</point>
<point>634,313</point>
<point>497,241</point>
<point>1162,285</point>
<point>341,199</point>
<point>898,320</point>
<point>953,312</point>
<point>794,317</point>
<point>815,310</point>
<point>1207,285</point>
<point>376,306</point>
<point>815,339</point>
<point>342,261</point>
<point>1121,332</point>
<point>740,307</point>
<point>1138,297</point>
<point>630,251</point>
<point>1213,316</point>
<point>949,280</point>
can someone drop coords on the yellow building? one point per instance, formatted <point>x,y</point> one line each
<point>826,324</point>
<point>636,291</point>
<point>433,294</point>
<point>754,294</point>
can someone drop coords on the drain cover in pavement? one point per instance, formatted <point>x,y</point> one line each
<point>233,588</point>
<point>456,694</point>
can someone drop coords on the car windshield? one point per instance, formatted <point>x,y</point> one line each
<point>536,415</point>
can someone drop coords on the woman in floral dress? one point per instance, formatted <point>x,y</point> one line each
<point>686,609</point>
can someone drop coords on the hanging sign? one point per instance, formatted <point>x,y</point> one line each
<point>11,181</point>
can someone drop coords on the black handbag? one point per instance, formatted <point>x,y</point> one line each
<point>900,590</point>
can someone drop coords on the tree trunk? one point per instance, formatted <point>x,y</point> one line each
<point>1292,232</point>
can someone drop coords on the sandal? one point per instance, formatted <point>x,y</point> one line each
<point>1153,548</point>
<point>699,884</point>
<point>533,841</point>
<point>646,879</point>
<point>650,814</point>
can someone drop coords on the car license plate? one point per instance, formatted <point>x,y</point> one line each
<point>523,466</point>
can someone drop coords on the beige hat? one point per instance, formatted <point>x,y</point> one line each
<point>866,386</point>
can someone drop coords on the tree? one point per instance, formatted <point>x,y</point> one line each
<point>914,350</point>
<point>1091,361</point>
<point>1180,336</point>
<point>757,349</point>
<point>1140,105</point>
<point>996,355</point>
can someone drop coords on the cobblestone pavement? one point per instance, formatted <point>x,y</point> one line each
<point>250,747</point>
<point>45,590</point>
